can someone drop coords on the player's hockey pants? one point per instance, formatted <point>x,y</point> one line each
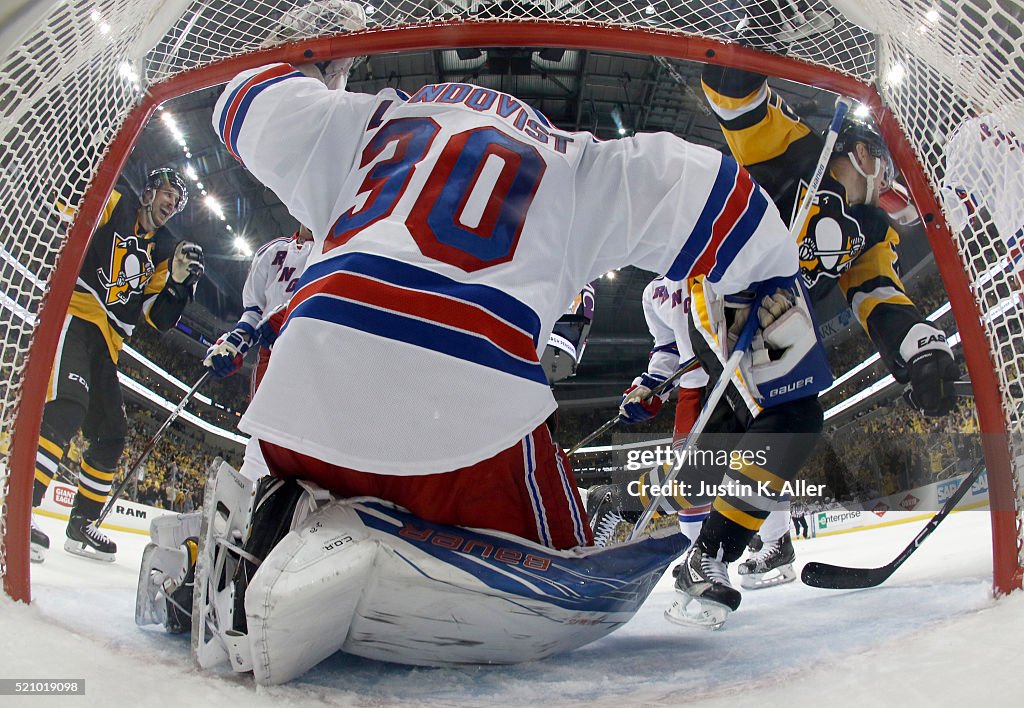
<point>526,490</point>
<point>83,394</point>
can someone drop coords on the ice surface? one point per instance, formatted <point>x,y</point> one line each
<point>930,635</point>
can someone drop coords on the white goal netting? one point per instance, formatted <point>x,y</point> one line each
<point>951,74</point>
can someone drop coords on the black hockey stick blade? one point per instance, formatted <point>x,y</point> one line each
<point>837,577</point>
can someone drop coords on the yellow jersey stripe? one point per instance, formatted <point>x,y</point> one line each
<point>742,518</point>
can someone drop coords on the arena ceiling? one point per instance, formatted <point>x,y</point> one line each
<point>608,94</point>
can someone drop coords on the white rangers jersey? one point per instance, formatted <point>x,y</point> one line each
<point>667,310</point>
<point>273,277</point>
<point>451,227</point>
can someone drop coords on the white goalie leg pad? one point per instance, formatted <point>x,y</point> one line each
<point>164,565</point>
<point>226,508</point>
<point>300,603</point>
<point>369,579</point>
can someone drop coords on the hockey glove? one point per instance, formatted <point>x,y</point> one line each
<point>737,312</point>
<point>639,402</point>
<point>270,328</point>
<point>225,356</point>
<point>187,264</point>
<point>776,24</point>
<point>930,369</point>
<point>786,361</point>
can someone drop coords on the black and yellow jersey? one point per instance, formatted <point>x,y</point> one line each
<point>852,246</point>
<point>124,271</point>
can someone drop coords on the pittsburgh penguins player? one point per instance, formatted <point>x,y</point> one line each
<point>846,241</point>
<point>133,270</point>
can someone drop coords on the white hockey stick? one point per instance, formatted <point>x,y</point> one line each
<point>731,365</point>
<point>746,336</point>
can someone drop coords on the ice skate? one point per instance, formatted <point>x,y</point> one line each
<point>39,544</point>
<point>85,540</point>
<point>706,597</point>
<point>772,565</point>
<point>167,572</point>
<point>606,525</point>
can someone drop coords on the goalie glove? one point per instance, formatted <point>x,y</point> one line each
<point>187,265</point>
<point>639,403</point>
<point>225,356</point>
<point>776,24</point>
<point>317,18</point>
<point>930,370</point>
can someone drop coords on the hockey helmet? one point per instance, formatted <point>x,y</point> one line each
<point>165,176</point>
<point>857,130</point>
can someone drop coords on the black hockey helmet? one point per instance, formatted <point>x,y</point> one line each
<point>857,130</point>
<point>165,176</point>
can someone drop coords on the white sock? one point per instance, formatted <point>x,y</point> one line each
<point>690,521</point>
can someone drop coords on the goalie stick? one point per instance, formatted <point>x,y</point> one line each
<point>687,366</point>
<point>837,577</point>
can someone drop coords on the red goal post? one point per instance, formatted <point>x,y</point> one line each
<point>70,115</point>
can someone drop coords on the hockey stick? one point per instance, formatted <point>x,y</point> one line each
<point>731,365</point>
<point>746,336</point>
<point>837,577</point>
<point>689,365</point>
<point>129,475</point>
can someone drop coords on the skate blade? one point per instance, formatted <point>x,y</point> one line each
<point>80,549</point>
<point>756,581</point>
<point>37,554</point>
<point>689,611</point>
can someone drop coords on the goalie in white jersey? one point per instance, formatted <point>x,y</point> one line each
<point>450,229</point>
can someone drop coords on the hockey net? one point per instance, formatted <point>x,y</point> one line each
<point>79,80</point>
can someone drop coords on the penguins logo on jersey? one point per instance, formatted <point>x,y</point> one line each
<point>130,270</point>
<point>830,240</point>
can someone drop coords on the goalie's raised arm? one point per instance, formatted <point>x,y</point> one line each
<point>688,210</point>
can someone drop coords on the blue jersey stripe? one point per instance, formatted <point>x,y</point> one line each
<point>405,275</point>
<point>428,335</point>
<point>740,234</point>
<point>699,238</point>
<point>244,101</point>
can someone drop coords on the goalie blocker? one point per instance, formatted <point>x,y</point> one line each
<point>365,577</point>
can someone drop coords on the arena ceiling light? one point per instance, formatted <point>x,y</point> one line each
<point>242,245</point>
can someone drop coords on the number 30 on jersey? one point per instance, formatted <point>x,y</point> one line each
<point>473,204</point>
